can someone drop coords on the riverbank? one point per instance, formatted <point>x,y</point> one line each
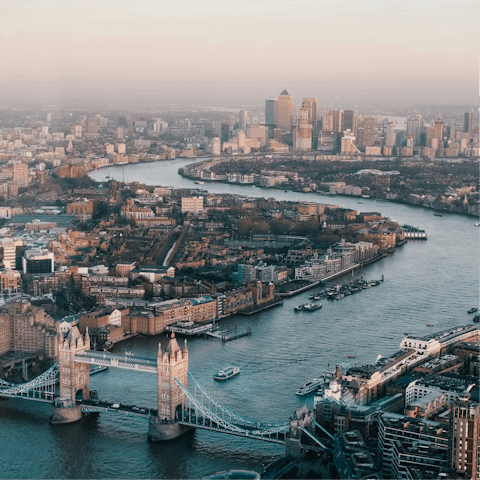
<point>290,286</point>
<point>288,188</point>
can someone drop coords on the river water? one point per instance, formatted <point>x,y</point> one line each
<point>434,281</point>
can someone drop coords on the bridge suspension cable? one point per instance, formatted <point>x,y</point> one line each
<point>41,388</point>
<point>238,419</point>
<point>201,416</point>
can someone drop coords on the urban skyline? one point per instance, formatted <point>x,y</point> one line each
<point>399,53</point>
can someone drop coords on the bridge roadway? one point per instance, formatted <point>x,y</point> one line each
<point>125,362</point>
<point>91,406</point>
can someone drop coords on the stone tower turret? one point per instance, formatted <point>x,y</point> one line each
<point>170,364</point>
<point>74,377</point>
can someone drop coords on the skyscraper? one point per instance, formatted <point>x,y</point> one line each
<point>390,136</point>
<point>327,122</point>
<point>271,111</point>
<point>366,132</point>
<point>311,104</point>
<point>467,125</point>
<point>337,120</point>
<point>349,121</point>
<point>302,139</point>
<point>285,112</point>
<point>242,120</point>
<point>225,132</point>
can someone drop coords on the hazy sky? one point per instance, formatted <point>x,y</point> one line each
<point>362,50</point>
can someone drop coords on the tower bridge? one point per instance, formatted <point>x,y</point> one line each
<point>180,408</point>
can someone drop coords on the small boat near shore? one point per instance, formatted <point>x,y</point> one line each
<point>473,310</point>
<point>476,318</point>
<point>310,307</point>
<point>438,214</point>
<point>227,373</point>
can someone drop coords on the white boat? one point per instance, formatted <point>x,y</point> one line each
<point>477,224</point>
<point>310,307</point>
<point>199,183</point>
<point>310,386</point>
<point>227,373</point>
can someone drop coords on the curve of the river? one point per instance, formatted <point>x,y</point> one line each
<point>434,281</point>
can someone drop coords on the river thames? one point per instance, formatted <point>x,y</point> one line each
<point>434,281</point>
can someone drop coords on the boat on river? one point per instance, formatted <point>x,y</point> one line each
<point>473,310</point>
<point>227,373</point>
<point>310,386</point>
<point>310,307</point>
<point>438,214</point>
<point>476,318</point>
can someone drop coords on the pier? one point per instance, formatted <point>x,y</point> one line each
<point>189,328</point>
<point>228,335</point>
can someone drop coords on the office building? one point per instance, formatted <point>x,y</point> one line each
<point>464,421</point>
<point>467,122</point>
<point>242,120</point>
<point>327,124</point>
<point>284,119</point>
<point>349,121</point>
<point>302,138</point>
<point>311,104</point>
<point>390,135</point>
<point>225,132</point>
<point>366,132</point>
<point>271,111</point>
<point>38,261</point>
<point>257,131</point>
<point>337,121</point>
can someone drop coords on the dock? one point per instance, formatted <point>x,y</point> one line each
<point>228,335</point>
<point>189,328</point>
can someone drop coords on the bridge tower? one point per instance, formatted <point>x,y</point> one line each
<point>171,363</point>
<point>74,377</point>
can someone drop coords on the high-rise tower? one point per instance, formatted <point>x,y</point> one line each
<point>464,421</point>
<point>285,112</point>
<point>271,111</point>
<point>349,121</point>
<point>242,120</point>
<point>467,124</point>
<point>311,105</point>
